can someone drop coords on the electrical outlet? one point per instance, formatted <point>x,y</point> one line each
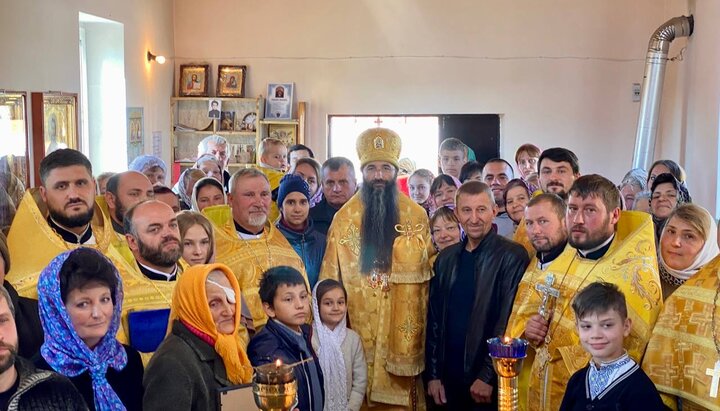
<point>636,92</point>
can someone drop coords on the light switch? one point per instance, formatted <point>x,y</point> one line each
<point>636,92</point>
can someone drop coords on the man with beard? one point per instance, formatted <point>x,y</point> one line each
<point>22,386</point>
<point>152,233</point>
<point>605,244</point>
<point>123,191</point>
<point>558,169</point>
<point>545,227</point>
<point>245,239</point>
<point>471,298</point>
<point>59,215</point>
<point>378,246</point>
<point>496,174</point>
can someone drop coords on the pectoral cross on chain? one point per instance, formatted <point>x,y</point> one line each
<point>549,296</point>
<point>715,374</point>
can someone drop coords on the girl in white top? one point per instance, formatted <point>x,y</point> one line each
<point>339,348</point>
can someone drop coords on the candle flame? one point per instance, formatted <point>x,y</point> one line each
<point>506,340</point>
<point>278,363</point>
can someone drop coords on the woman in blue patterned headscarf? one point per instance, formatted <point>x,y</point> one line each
<point>80,300</point>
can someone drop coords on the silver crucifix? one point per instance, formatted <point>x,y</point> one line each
<point>549,297</point>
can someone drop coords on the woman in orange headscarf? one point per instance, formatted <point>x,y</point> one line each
<point>204,350</point>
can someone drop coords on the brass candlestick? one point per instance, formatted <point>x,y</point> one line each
<point>507,355</point>
<point>275,387</point>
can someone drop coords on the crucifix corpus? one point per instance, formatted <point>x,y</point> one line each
<point>549,297</point>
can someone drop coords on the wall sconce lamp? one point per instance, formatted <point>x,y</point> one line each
<point>151,57</point>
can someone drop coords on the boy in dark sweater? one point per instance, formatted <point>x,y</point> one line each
<point>612,380</point>
<point>287,336</point>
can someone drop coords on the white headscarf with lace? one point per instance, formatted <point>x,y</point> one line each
<point>331,358</point>
<point>709,251</point>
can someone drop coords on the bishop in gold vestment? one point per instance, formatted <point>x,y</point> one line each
<point>391,324</point>
<point>387,309</point>
<point>682,357</point>
<point>630,263</point>
<point>250,258</point>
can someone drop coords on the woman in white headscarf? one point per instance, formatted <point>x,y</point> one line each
<point>687,243</point>
<point>339,349</point>
<point>152,166</point>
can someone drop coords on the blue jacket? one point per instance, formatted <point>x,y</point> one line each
<point>310,246</point>
<point>271,343</point>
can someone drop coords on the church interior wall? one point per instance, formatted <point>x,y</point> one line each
<point>558,72</point>
<point>40,52</point>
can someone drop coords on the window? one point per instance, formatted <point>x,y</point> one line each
<point>419,135</point>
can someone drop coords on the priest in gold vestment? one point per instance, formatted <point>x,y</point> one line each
<point>558,168</point>
<point>379,246</point>
<point>246,241</point>
<point>43,228</point>
<point>124,190</point>
<point>683,355</point>
<point>606,244</point>
<point>59,215</point>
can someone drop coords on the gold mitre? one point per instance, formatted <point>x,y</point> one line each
<point>378,144</point>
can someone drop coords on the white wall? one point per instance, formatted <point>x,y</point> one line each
<point>559,71</point>
<point>696,124</point>
<point>41,53</point>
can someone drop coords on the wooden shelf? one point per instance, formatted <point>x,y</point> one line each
<point>222,133</point>
<point>190,163</point>
<point>235,99</point>
<point>271,121</point>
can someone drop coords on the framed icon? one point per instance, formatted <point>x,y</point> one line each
<point>193,80</point>
<point>231,81</point>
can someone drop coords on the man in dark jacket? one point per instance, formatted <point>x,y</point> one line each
<point>30,334</point>
<point>22,387</point>
<point>471,299</point>
<point>338,185</point>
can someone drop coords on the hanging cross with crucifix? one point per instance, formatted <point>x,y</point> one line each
<point>715,374</point>
<point>549,296</point>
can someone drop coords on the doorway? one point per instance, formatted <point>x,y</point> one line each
<point>421,135</point>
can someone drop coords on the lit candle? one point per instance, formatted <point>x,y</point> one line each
<point>274,373</point>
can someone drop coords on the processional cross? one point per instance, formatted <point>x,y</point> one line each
<point>715,374</point>
<point>547,306</point>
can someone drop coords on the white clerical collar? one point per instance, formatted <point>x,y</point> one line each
<point>592,250</point>
<point>246,236</point>
<point>154,271</point>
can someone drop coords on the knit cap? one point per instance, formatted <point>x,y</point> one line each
<point>291,183</point>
